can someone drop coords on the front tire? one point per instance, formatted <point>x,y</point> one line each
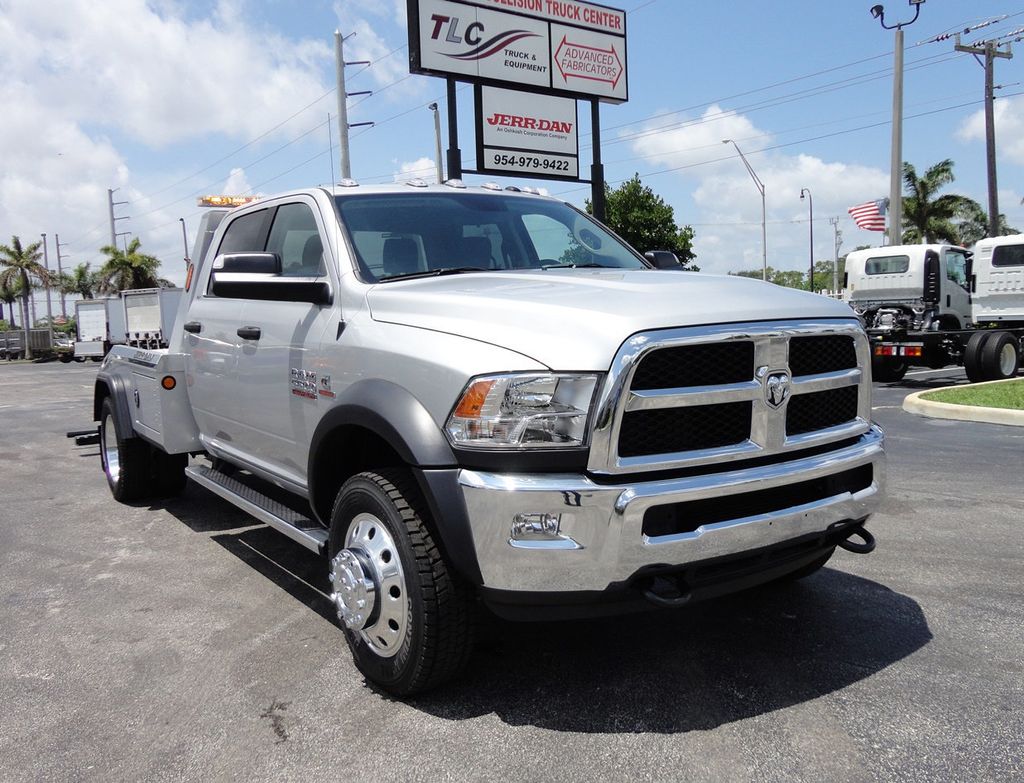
<point>405,614</point>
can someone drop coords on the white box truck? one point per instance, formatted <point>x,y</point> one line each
<point>99,324</point>
<point>149,315</point>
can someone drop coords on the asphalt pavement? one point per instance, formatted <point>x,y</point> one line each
<point>181,641</point>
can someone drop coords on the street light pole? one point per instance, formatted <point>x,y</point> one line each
<point>896,156</point>
<point>764,217</point>
<point>437,142</point>
<point>810,223</point>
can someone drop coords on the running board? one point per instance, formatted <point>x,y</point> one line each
<point>297,527</point>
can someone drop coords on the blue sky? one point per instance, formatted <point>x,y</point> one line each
<point>165,100</point>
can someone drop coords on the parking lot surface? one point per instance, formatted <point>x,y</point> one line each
<point>182,641</point>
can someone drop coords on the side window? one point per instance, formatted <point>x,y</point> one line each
<point>553,242</point>
<point>956,267</point>
<point>294,237</point>
<point>244,234</point>
<point>1008,255</point>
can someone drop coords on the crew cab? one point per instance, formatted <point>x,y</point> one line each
<point>463,396</point>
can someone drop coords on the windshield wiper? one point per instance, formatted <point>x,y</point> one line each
<point>577,266</point>
<point>448,270</point>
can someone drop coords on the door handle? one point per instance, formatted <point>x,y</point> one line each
<point>249,332</point>
<point>193,327</point>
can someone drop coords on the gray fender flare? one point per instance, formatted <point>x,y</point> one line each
<point>394,414</point>
<point>117,390</point>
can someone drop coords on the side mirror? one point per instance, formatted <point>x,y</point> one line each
<point>258,276</point>
<point>249,263</point>
<point>972,281</point>
<point>663,259</point>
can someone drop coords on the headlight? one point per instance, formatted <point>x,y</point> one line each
<point>523,410</point>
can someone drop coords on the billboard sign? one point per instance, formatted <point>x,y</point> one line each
<point>527,134</point>
<point>571,48</point>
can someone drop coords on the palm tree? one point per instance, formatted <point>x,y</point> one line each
<point>927,218</point>
<point>81,281</point>
<point>974,226</point>
<point>8,296</point>
<point>22,264</point>
<point>127,269</point>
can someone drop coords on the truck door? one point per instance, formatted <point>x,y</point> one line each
<point>956,298</point>
<point>286,384</point>
<point>212,343</point>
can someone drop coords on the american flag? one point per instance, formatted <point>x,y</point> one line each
<point>871,215</point>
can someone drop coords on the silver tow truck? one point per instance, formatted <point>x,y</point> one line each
<point>465,397</point>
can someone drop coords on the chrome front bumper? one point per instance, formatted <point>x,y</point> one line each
<point>600,539</point>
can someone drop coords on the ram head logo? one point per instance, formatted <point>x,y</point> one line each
<point>776,388</point>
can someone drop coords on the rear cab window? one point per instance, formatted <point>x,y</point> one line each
<point>887,265</point>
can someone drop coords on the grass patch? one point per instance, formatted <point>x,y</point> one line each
<point>998,395</point>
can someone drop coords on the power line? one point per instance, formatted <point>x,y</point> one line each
<point>790,144</point>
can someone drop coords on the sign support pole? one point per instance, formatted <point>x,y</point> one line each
<point>454,153</point>
<point>597,168</point>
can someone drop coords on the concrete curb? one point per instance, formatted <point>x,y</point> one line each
<point>913,403</point>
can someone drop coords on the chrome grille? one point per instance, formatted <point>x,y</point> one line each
<point>685,397</point>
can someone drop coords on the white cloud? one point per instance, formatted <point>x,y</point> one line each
<point>421,168</point>
<point>236,183</point>
<point>1009,117</point>
<point>83,80</point>
<point>728,224</point>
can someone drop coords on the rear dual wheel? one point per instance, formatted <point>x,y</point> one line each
<point>991,356</point>
<point>134,469</point>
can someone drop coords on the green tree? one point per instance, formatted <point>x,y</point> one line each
<point>642,218</point>
<point>81,280</point>
<point>823,274</point>
<point>928,217</point>
<point>787,278</point>
<point>22,267</point>
<point>8,296</point>
<point>974,226</point>
<point>128,269</point>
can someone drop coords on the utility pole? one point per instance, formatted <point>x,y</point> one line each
<point>60,274</point>
<point>834,222</point>
<point>896,157</point>
<point>343,95</point>
<point>113,220</point>
<point>990,51</point>
<point>46,266</point>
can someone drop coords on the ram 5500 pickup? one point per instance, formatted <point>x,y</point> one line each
<point>462,396</point>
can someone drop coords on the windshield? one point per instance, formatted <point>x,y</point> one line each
<point>403,234</point>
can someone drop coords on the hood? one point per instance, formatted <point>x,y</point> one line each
<point>576,319</point>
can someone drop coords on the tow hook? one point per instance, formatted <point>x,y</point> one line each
<point>853,546</point>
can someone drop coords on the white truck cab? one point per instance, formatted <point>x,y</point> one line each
<point>999,280</point>
<point>917,287</point>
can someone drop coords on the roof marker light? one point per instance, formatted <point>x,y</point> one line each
<point>455,183</point>
<point>348,183</point>
<point>416,183</point>
<point>491,186</point>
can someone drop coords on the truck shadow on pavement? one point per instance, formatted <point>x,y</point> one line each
<point>691,669</point>
<point>660,672</point>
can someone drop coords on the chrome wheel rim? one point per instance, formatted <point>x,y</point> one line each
<point>111,455</point>
<point>1008,360</point>
<point>369,586</point>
